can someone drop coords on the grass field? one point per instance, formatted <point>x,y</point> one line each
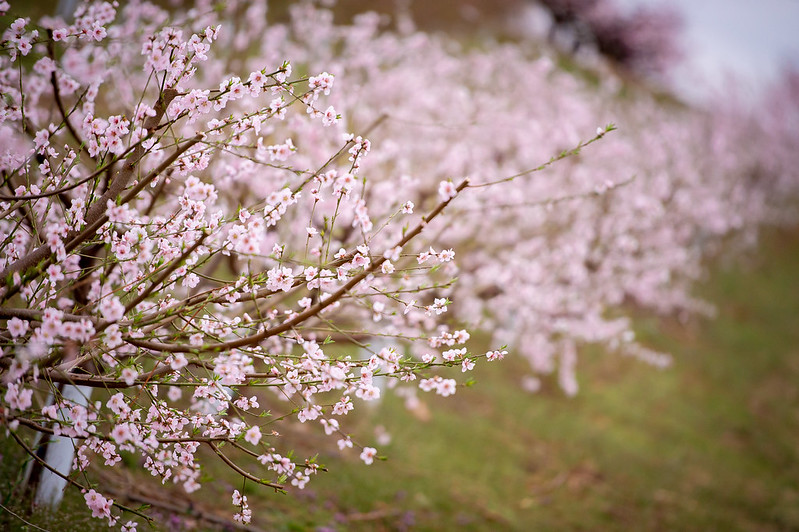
<point>708,444</point>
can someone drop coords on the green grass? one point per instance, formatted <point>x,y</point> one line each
<point>708,444</point>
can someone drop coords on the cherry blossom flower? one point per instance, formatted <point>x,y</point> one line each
<point>330,117</point>
<point>446,190</point>
<point>495,355</point>
<point>179,360</point>
<point>368,455</point>
<point>253,435</point>
<point>129,376</point>
<point>323,82</point>
<point>330,425</point>
<point>343,407</point>
<point>17,327</point>
<point>99,505</point>
<point>18,398</point>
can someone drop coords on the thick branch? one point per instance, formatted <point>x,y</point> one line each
<point>36,315</point>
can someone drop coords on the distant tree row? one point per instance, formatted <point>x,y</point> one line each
<point>643,40</point>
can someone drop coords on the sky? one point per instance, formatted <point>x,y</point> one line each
<point>752,39</point>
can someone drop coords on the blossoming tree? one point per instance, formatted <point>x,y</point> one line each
<point>194,227</point>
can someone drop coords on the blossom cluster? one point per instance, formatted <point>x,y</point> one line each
<point>151,264</point>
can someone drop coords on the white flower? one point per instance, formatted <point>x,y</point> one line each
<point>368,455</point>
<point>253,435</point>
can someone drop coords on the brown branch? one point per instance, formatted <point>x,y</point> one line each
<point>72,482</point>
<point>241,472</point>
<point>43,463</point>
<point>61,190</point>
<point>47,430</point>
<point>59,375</point>
<point>98,209</point>
<point>92,229</point>
<point>311,311</point>
<point>197,298</point>
<point>36,315</point>
<point>188,509</point>
<point>165,274</point>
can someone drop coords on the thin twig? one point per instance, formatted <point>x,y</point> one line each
<point>241,472</point>
<point>23,519</point>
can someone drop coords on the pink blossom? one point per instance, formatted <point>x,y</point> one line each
<point>309,413</point>
<point>50,411</point>
<point>129,376</point>
<point>495,355</point>
<point>554,267</point>
<point>446,387</point>
<point>446,255</point>
<point>323,82</point>
<point>174,393</point>
<point>300,480</point>
<point>179,361</point>
<point>331,426</point>
<point>18,398</point>
<point>17,327</point>
<point>280,279</point>
<point>330,117</point>
<point>368,455</point>
<point>117,404</point>
<point>99,505</point>
<point>111,308</point>
<point>446,190</point>
<point>253,435</point>
<point>343,407</point>
<point>121,433</point>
